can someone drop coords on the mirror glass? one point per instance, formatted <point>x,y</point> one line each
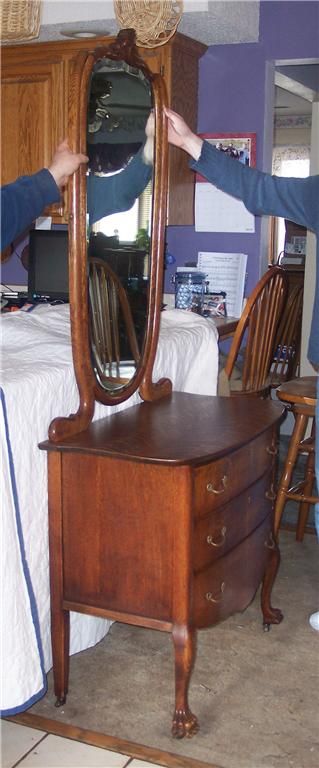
<point>119,198</point>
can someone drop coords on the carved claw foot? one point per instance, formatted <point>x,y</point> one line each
<point>272,616</point>
<point>184,724</point>
<point>60,701</point>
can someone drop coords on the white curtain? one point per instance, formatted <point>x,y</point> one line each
<point>288,161</point>
<point>293,159</point>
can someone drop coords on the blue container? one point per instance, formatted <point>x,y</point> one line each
<point>189,289</point>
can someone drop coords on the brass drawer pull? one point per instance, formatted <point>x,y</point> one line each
<point>272,450</point>
<point>211,599</point>
<point>220,541</point>
<point>210,488</point>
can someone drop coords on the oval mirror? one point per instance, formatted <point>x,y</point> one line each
<point>115,265</point>
<point>119,197</point>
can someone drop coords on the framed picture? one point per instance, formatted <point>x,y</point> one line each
<point>240,146</point>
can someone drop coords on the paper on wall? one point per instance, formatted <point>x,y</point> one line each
<point>226,272</point>
<point>216,211</point>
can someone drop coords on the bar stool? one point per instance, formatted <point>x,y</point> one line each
<point>301,398</point>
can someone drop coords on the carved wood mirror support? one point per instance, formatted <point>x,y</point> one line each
<point>91,386</point>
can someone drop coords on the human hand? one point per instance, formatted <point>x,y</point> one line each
<point>150,125</point>
<point>148,150</point>
<point>181,135</point>
<point>64,163</point>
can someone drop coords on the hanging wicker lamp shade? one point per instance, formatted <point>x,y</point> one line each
<point>19,20</point>
<point>154,21</point>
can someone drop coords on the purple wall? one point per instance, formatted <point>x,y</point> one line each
<point>13,271</point>
<point>232,97</point>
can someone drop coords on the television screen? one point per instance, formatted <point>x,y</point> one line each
<point>48,276</point>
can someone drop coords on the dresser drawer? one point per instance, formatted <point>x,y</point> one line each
<point>218,482</point>
<point>220,531</point>
<point>229,585</point>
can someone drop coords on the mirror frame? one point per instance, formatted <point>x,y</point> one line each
<point>122,48</point>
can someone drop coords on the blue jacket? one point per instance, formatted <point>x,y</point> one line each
<point>290,198</point>
<point>113,194</point>
<point>25,199</point>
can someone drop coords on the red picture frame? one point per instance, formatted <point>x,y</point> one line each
<point>240,146</point>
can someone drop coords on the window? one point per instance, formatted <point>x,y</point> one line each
<point>288,161</point>
<point>125,225</point>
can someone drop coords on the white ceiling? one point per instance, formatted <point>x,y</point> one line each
<point>297,86</point>
<point>287,103</point>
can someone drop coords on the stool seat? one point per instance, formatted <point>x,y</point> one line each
<point>303,390</point>
<point>300,397</point>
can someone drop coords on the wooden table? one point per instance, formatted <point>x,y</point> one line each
<point>226,326</point>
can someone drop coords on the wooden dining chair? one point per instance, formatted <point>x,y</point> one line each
<point>111,323</point>
<point>285,363</point>
<point>248,363</point>
<point>299,396</point>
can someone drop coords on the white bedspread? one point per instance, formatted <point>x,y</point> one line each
<point>38,384</point>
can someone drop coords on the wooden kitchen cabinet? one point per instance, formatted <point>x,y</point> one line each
<point>162,516</point>
<point>34,112</point>
<point>35,108</point>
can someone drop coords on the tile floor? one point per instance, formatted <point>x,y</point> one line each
<point>29,748</point>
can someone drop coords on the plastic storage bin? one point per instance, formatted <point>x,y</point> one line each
<point>189,289</point>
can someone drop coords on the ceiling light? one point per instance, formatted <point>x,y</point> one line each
<point>83,33</point>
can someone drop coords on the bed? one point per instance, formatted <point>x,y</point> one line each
<point>38,384</point>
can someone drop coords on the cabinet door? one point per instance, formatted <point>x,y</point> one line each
<point>180,70</point>
<point>33,124</point>
<point>35,85</point>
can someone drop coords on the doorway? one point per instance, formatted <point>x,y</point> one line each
<point>296,87</point>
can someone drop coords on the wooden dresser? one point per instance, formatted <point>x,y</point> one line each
<point>162,516</point>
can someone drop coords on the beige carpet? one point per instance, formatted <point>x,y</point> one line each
<point>255,693</point>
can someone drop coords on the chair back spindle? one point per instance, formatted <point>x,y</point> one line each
<point>286,358</point>
<point>110,317</point>
<point>257,327</point>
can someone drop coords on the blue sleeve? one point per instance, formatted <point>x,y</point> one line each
<point>113,194</point>
<point>261,193</point>
<point>24,200</point>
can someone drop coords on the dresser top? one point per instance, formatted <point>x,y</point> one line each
<point>179,429</point>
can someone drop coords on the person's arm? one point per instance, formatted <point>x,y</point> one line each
<point>113,194</point>
<point>24,200</point>
<point>295,199</point>
<point>291,198</point>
